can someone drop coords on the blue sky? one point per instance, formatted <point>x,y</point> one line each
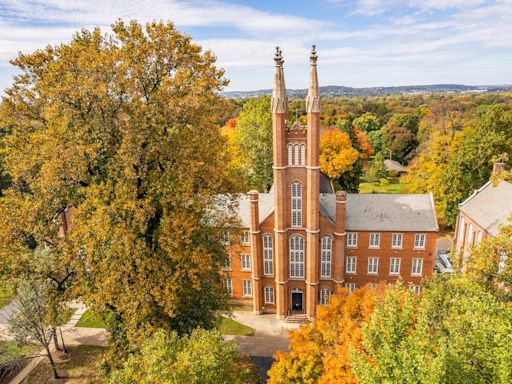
<point>359,42</point>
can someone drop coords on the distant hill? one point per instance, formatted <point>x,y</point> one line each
<point>338,90</point>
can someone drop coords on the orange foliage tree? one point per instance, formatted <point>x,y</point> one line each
<point>337,155</point>
<point>320,352</point>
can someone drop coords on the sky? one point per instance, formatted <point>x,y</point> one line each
<point>359,42</point>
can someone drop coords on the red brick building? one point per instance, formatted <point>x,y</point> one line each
<point>301,241</point>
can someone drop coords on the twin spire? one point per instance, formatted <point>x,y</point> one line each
<point>279,99</point>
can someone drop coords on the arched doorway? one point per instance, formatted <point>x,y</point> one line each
<point>297,299</point>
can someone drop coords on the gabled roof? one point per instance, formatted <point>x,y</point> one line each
<point>392,165</point>
<point>490,206</point>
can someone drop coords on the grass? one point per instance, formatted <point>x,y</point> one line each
<point>12,350</point>
<point>80,366</point>
<point>91,320</point>
<point>6,293</point>
<point>393,186</point>
<point>237,306</point>
<point>229,326</point>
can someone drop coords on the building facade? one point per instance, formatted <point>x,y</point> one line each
<point>302,241</point>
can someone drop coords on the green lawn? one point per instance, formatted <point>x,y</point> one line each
<point>6,293</point>
<point>91,320</point>
<point>229,326</point>
<point>393,186</point>
<point>65,315</point>
<point>12,350</point>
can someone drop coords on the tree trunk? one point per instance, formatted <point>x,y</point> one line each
<point>55,339</point>
<point>52,363</point>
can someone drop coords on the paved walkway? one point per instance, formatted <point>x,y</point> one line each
<point>5,313</point>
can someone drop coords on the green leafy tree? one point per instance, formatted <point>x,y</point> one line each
<point>367,122</point>
<point>123,128</point>
<point>254,140</point>
<point>377,169</point>
<point>375,138</point>
<point>201,358</point>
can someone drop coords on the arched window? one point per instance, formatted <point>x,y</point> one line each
<point>296,205</point>
<point>461,229</point>
<point>269,294</point>
<point>326,257</point>
<point>470,235</point>
<point>303,154</point>
<point>268,255</point>
<point>296,256</point>
<point>290,154</point>
<point>325,296</point>
<point>296,154</point>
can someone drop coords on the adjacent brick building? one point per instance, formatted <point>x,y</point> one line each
<point>301,241</point>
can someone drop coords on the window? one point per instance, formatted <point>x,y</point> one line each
<point>351,287</point>
<point>290,154</point>
<point>245,238</point>
<point>296,205</point>
<point>296,154</point>
<point>303,154</point>
<point>325,296</point>
<point>228,283</point>
<point>419,240</point>
<point>502,262</point>
<point>417,266</point>
<point>396,241</point>
<point>351,264</point>
<point>247,287</point>
<point>246,262</point>
<point>352,239</point>
<point>296,256</point>
<point>471,235</point>
<point>224,239</point>
<point>326,256</point>
<point>373,265</point>
<point>268,256</point>
<point>479,238</point>
<point>374,240</point>
<point>394,266</point>
<point>416,289</point>
<point>461,229</point>
<point>269,295</point>
<point>227,264</point>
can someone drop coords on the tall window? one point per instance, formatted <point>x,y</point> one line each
<point>296,154</point>
<point>269,295</point>
<point>419,240</point>
<point>246,262</point>
<point>461,229</point>
<point>245,238</point>
<point>296,205</point>
<point>502,262</point>
<point>228,283</point>
<point>224,239</point>
<point>268,255</point>
<point>296,256</point>
<point>290,154</point>
<point>417,266</point>
<point>394,266</point>
<point>479,238</point>
<point>350,265</point>
<point>303,154</point>
<point>352,239</point>
<point>374,240</point>
<point>471,235</point>
<point>326,257</point>
<point>373,265</point>
<point>247,287</point>
<point>351,287</point>
<point>397,240</point>
<point>325,296</point>
<point>227,264</point>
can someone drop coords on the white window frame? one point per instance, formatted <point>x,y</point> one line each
<point>502,261</point>
<point>420,244</point>
<point>269,294</point>
<point>351,264</point>
<point>394,266</point>
<point>224,238</point>
<point>374,240</point>
<point>471,235</point>
<point>247,288</point>
<point>325,296</point>
<point>303,154</point>
<point>246,261</point>
<point>416,289</point>
<point>296,154</point>
<point>351,287</point>
<point>373,262</point>
<point>228,283</point>
<point>290,154</point>
<point>228,265</point>
<point>417,267</point>
<point>296,247</point>
<point>462,229</point>
<point>245,238</point>
<point>397,240</point>
<point>296,192</point>
<point>268,255</point>
<point>479,237</point>
<point>352,239</point>
<point>326,256</point>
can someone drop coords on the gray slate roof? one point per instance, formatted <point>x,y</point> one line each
<point>490,206</point>
<point>392,165</point>
<point>365,212</point>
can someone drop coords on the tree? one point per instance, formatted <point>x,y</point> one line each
<point>30,319</point>
<point>338,158</point>
<point>254,140</point>
<point>320,352</point>
<point>201,358</point>
<point>377,169</point>
<point>367,122</point>
<point>124,129</point>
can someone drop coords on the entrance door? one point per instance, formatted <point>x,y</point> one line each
<point>297,301</point>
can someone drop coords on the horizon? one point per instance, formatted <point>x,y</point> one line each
<point>360,43</point>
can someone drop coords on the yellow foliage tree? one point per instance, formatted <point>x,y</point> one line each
<point>337,155</point>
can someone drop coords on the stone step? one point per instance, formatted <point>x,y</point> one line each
<point>298,319</point>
